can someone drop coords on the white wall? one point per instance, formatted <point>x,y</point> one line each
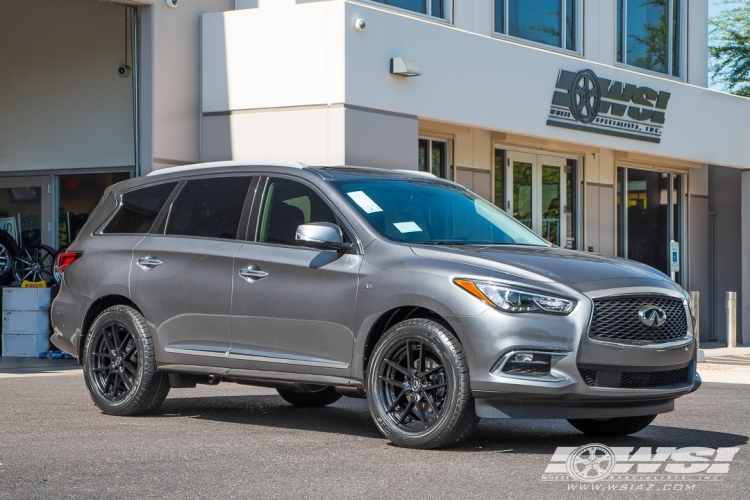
<point>697,46</point>
<point>172,81</point>
<point>744,306</point>
<point>62,102</point>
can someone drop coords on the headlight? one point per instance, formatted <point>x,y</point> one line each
<point>516,300</point>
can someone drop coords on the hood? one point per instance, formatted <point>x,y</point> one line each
<point>579,270</point>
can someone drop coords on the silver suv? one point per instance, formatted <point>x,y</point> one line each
<point>396,286</point>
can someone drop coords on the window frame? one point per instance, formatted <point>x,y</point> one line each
<point>447,6</point>
<point>681,43</point>
<point>157,220</point>
<point>449,164</point>
<point>563,17</point>
<point>162,219</point>
<point>261,191</point>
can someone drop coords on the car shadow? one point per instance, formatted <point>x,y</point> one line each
<point>352,417</point>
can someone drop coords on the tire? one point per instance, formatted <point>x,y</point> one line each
<point>612,427</point>
<point>126,383</point>
<point>310,399</point>
<point>8,251</point>
<point>429,405</point>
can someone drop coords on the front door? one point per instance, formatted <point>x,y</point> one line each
<point>293,308</point>
<point>182,278</point>
<point>649,217</point>
<point>537,194</point>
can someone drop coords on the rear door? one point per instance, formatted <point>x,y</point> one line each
<point>181,274</point>
<point>294,309</point>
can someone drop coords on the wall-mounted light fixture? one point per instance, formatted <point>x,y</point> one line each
<point>360,25</point>
<point>405,67</point>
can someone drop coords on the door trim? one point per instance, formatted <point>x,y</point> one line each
<point>286,359</point>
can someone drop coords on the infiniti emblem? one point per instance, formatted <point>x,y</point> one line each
<point>652,316</point>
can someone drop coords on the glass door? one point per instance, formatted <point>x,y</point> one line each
<point>26,209</point>
<point>537,194</point>
<point>649,209</point>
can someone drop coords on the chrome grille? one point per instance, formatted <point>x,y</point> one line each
<point>616,320</point>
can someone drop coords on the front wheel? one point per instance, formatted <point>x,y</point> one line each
<point>119,366</point>
<point>612,427</point>
<point>418,386</point>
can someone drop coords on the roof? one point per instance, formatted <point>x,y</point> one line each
<point>217,164</point>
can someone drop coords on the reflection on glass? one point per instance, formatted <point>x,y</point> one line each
<point>499,12</point>
<point>417,6</point>
<point>438,159</point>
<point>500,178</point>
<point>648,218</point>
<point>570,209</point>
<point>437,9</point>
<point>21,214</point>
<point>538,21</point>
<point>551,204</point>
<point>676,219</point>
<point>570,25</point>
<point>676,37</point>
<point>647,42</point>
<point>424,147</point>
<point>522,192</point>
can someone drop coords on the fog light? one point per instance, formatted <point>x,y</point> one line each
<point>528,364</point>
<point>523,357</point>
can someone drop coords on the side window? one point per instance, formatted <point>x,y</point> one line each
<point>139,209</point>
<point>288,204</point>
<point>209,208</point>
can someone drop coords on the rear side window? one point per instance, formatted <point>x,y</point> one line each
<point>139,209</point>
<point>209,208</point>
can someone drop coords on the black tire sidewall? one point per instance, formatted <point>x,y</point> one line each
<point>115,314</point>
<point>426,334</point>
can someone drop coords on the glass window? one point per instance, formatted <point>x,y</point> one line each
<point>433,157</point>
<point>549,22</point>
<point>499,193</point>
<point>649,34</point>
<point>209,208</point>
<point>433,8</point>
<point>429,212</point>
<point>79,195</point>
<point>139,209</point>
<point>286,206</point>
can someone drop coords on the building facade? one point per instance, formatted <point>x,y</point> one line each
<point>590,121</point>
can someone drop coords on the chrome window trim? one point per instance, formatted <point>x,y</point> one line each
<point>290,359</point>
<point>199,351</point>
<point>640,292</point>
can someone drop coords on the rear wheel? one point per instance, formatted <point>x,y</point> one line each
<point>323,397</point>
<point>418,386</point>
<point>611,427</point>
<point>119,366</point>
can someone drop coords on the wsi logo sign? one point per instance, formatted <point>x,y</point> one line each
<point>598,462</point>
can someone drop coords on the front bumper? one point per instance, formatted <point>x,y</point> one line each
<point>565,393</point>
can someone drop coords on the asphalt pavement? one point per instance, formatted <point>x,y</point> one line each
<point>232,441</point>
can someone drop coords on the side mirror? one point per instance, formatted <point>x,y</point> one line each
<point>323,235</point>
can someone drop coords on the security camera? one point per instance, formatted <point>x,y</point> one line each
<point>124,71</point>
<point>172,3</point>
<point>360,25</point>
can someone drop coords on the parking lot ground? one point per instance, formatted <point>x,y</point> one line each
<point>232,441</point>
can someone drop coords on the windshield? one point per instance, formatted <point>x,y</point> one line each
<point>412,211</point>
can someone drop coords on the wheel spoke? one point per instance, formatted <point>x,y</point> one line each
<point>397,367</point>
<point>433,387</point>
<point>116,385</point>
<point>431,371</point>
<point>421,356</point>
<point>101,369</point>
<point>107,384</point>
<point>431,402</point>
<point>392,382</point>
<point>396,402</point>
<point>129,353</point>
<point>409,364</point>
<point>124,341</point>
<point>421,415</point>
<point>129,367</point>
<point>110,347</point>
<point>125,382</point>
<point>406,412</point>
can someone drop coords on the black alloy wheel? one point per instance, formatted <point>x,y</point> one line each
<point>119,366</point>
<point>35,263</point>
<point>8,250</point>
<point>418,386</point>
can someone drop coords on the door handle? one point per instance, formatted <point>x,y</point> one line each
<point>253,273</point>
<point>149,262</point>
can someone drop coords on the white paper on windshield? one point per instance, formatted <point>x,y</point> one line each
<point>407,227</point>
<point>364,202</point>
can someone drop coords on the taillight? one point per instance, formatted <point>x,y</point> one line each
<point>66,259</point>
